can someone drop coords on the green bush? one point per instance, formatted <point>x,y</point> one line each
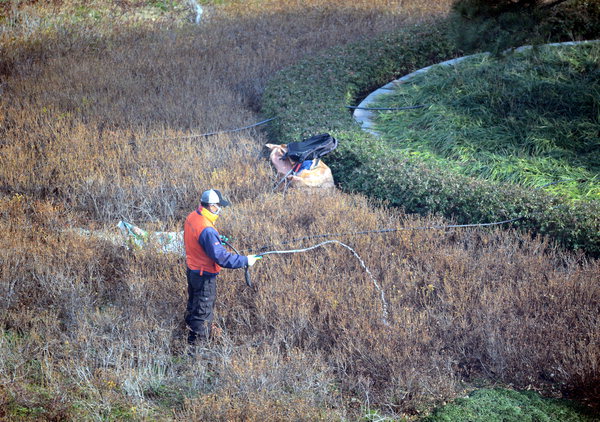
<point>310,97</point>
<point>578,19</point>
<point>490,25</point>
<point>487,8</point>
<point>501,405</point>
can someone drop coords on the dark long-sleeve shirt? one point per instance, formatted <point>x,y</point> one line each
<point>211,243</point>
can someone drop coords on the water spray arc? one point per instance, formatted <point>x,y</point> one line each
<point>362,263</point>
<point>384,304</point>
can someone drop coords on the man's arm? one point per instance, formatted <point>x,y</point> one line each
<point>211,243</point>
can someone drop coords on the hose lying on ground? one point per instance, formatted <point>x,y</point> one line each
<point>333,241</point>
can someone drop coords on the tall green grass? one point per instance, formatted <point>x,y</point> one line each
<point>530,118</point>
<point>501,405</point>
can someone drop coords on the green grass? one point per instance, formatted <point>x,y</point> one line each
<point>530,118</point>
<point>501,405</point>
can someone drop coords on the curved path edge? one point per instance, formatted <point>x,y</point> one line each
<point>365,117</point>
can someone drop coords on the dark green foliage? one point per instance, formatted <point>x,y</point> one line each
<point>501,405</point>
<point>573,20</point>
<point>422,188</point>
<point>497,33</point>
<point>495,25</point>
<point>471,9</point>
<point>309,98</point>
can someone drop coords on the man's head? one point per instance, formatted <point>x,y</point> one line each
<point>213,200</point>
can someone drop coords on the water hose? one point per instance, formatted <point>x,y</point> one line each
<point>382,231</point>
<point>247,269</point>
<point>219,132</point>
<point>362,263</point>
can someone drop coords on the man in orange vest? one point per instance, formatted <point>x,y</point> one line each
<point>205,255</point>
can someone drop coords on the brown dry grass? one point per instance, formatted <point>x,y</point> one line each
<point>95,331</point>
<point>81,106</point>
<point>105,323</point>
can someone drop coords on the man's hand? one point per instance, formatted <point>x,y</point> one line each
<point>252,259</point>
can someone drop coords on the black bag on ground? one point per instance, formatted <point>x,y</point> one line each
<point>310,148</point>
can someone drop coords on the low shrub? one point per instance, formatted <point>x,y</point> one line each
<point>311,96</point>
<point>330,305</point>
<point>119,144</point>
<point>484,25</point>
<point>100,328</point>
<point>501,405</point>
<point>417,187</point>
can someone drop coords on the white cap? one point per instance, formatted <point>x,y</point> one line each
<point>213,196</point>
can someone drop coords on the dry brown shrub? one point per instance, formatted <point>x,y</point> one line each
<point>463,304</point>
<point>264,384</point>
<point>82,107</point>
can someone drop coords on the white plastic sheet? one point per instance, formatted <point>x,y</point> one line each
<point>137,238</point>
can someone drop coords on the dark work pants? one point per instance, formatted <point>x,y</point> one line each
<point>202,292</point>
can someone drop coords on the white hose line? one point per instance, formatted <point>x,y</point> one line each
<point>362,263</point>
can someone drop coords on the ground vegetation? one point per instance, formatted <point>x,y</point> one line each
<point>495,25</point>
<point>100,110</point>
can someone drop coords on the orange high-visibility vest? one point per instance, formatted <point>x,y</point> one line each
<point>195,255</point>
